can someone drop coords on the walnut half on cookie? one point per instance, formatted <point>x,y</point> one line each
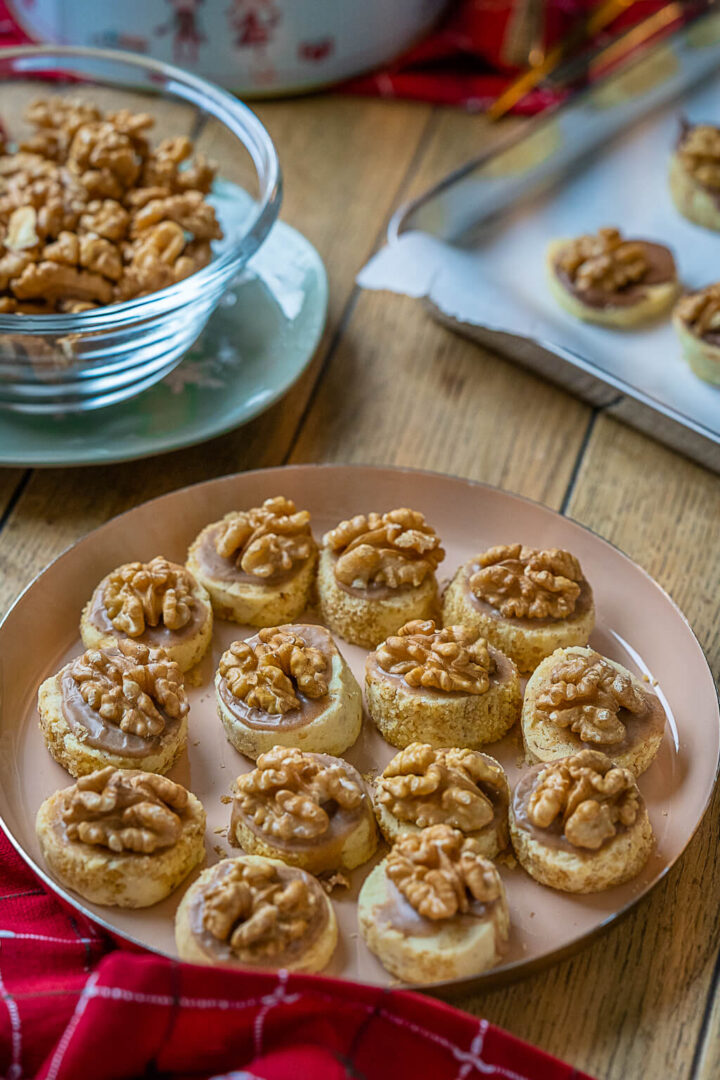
<point>526,602</point>
<point>122,837</point>
<point>442,687</point>
<point>377,572</point>
<point>159,604</point>
<point>288,686</point>
<point>434,909</point>
<point>579,824</point>
<point>257,565</point>
<point>695,174</point>
<point>464,789</point>
<point>606,279</point>
<point>696,320</point>
<point>123,705</point>
<point>577,699</point>
<point>309,810</point>
<point>256,913</point>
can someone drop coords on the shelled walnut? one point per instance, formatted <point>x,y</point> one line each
<point>603,261</point>
<point>291,795</point>
<point>268,540</point>
<point>425,786</point>
<point>97,214</point>
<point>134,687</point>
<point>699,151</point>
<point>259,910</point>
<point>440,872</point>
<point>269,673</point>
<point>589,794</point>
<point>586,694</point>
<point>452,659</point>
<point>395,549</point>
<point>138,595</point>
<point>525,583</point>
<point>124,810</point>
<point>700,311</point>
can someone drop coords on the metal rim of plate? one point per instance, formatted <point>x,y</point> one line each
<point>451,988</point>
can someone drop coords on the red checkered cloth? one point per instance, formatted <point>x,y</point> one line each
<point>76,1006</point>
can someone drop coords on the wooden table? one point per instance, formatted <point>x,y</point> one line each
<point>390,386</point>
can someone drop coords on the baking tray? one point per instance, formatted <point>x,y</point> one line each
<point>473,248</point>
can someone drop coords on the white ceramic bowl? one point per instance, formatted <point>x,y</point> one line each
<point>250,46</point>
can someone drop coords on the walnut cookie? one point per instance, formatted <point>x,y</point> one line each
<point>443,687</point>
<point>256,913</point>
<point>159,604</point>
<point>309,810</point>
<point>578,699</point>
<point>464,789</point>
<point>123,706</point>
<point>606,279</point>
<point>288,686</point>
<point>257,565</point>
<point>434,909</point>
<point>696,320</point>
<point>526,602</point>
<point>695,174</point>
<point>122,837</point>
<point>579,824</point>
<point>377,572</point>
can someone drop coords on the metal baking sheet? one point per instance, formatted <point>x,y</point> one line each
<point>490,284</point>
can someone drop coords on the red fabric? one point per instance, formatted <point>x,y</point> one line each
<point>462,61</point>
<point>73,1005</point>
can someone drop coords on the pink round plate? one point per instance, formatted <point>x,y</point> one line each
<point>637,624</point>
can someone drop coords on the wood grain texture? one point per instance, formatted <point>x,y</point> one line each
<point>632,1005</point>
<point>391,386</point>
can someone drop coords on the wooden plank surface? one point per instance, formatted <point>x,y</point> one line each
<point>390,386</point>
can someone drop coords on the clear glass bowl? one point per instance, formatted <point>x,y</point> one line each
<point>71,363</point>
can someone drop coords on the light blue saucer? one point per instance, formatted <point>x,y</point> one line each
<point>255,346</point>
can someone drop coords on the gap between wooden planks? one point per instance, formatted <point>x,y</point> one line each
<point>390,386</point>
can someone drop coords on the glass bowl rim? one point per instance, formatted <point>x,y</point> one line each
<point>241,122</point>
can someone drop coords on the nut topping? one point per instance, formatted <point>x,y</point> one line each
<point>700,311</point>
<point>524,583</point>
<point>440,872</point>
<point>99,215</point>
<point>589,794</point>
<point>586,694</point>
<point>124,810</point>
<point>395,549</point>
<point>268,540</point>
<point>138,595</point>
<point>454,659</point>
<point>269,673</point>
<point>603,261</point>
<point>133,687</point>
<point>259,910</point>
<point>425,786</point>
<point>292,795</point>
<point>699,151</point>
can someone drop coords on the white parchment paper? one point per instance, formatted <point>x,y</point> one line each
<point>501,285</point>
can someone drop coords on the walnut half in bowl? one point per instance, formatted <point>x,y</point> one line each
<point>579,823</point>
<point>117,230</point>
